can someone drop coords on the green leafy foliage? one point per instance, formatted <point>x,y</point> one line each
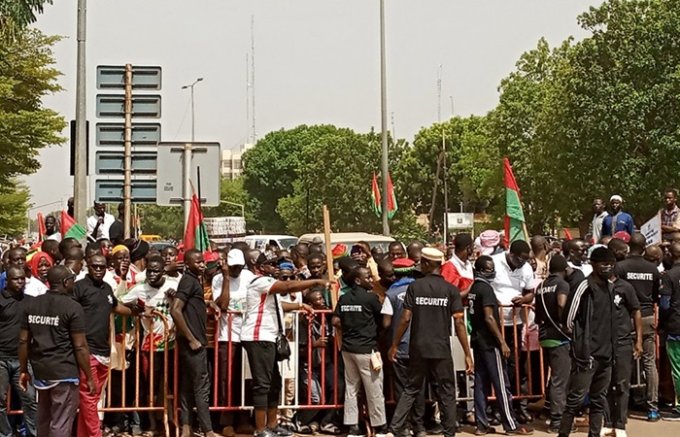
<point>26,126</point>
<point>14,201</point>
<point>15,15</point>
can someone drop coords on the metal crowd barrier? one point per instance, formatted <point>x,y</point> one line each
<point>131,399</point>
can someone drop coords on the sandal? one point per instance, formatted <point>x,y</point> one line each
<point>304,429</point>
<point>330,428</point>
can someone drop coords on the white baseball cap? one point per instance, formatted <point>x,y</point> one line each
<point>236,258</point>
<point>616,197</point>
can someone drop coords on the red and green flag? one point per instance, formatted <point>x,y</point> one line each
<point>514,215</point>
<point>392,206</point>
<point>196,234</point>
<point>71,229</point>
<point>41,226</point>
<point>376,200</point>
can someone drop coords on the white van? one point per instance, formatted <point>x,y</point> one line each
<point>349,239</point>
<point>260,242</point>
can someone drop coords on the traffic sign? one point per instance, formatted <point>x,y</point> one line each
<point>113,134</point>
<point>114,163</point>
<point>113,105</point>
<point>143,77</point>
<point>169,175</point>
<point>111,190</point>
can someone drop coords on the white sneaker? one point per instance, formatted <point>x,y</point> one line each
<point>606,432</point>
<point>620,433</point>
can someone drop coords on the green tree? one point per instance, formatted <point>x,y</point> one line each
<point>14,200</point>
<point>26,126</point>
<point>15,15</point>
<point>166,221</point>
<point>337,172</point>
<point>420,172</point>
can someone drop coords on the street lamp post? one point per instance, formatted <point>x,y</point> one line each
<point>187,156</point>
<point>383,121</point>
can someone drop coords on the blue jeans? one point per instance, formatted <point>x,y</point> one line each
<point>9,373</point>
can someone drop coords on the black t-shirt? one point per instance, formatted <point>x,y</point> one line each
<point>190,292</point>
<point>98,302</point>
<point>547,310</point>
<point>645,279</point>
<point>671,288</point>
<point>625,302</point>
<point>11,314</point>
<point>601,322</point>
<point>481,295</point>
<point>51,319</point>
<point>433,301</point>
<point>575,279</point>
<point>359,314</point>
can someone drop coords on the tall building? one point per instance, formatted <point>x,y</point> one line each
<point>232,165</point>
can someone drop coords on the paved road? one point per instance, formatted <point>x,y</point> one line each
<point>635,428</point>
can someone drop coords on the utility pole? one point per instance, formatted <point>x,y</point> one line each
<point>186,192</point>
<point>80,171</point>
<point>127,138</point>
<point>252,79</point>
<point>383,120</point>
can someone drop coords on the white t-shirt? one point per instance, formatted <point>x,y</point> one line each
<point>387,308</point>
<point>259,320</point>
<point>156,298</point>
<point>56,237</point>
<point>509,284</point>
<point>34,287</point>
<point>103,231</point>
<point>587,269</point>
<point>237,301</point>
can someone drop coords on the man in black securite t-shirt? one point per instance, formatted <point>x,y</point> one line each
<point>591,321</point>
<point>644,276</point>
<point>357,319</point>
<point>52,336</point>
<point>551,299</point>
<point>98,302</point>
<point>429,305</point>
<point>491,352</point>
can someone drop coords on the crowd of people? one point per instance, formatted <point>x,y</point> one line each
<point>589,304</point>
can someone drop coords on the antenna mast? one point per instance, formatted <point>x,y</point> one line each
<point>253,132</point>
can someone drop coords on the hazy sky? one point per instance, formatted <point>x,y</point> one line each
<point>317,61</point>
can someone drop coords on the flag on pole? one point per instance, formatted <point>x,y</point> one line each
<point>196,234</point>
<point>41,227</point>
<point>514,215</point>
<point>71,229</point>
<point>392,206</point>
<point>375,197</point>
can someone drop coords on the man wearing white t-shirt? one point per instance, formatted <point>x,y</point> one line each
<point>258,337</point>
<point>513,286</point>
<point>230,296</point>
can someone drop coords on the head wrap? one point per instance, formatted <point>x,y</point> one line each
<point>35,263</point>
<point>488,241</point>
<point>119,248</point>
<point>616,197</point>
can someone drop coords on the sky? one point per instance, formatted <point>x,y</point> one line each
<point>316,61</point>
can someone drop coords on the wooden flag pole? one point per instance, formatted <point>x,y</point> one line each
<point>329,254</point>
